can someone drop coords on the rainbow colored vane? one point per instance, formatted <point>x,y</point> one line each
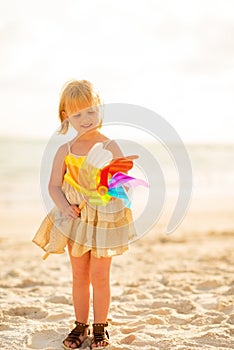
<point>99,177</point>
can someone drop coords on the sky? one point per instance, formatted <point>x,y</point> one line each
<point>175,57</point>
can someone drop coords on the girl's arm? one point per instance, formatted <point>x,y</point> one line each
<point>55,185</point>
<point>115,150</point>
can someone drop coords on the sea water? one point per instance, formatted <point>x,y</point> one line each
<point>21,161</point>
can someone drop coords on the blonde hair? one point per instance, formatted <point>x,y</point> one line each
<point>76,95</point>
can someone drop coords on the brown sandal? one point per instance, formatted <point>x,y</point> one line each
<point>100,335</point>
<point>74,336</point>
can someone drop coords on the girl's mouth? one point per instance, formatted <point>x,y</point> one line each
<point>86,125</point>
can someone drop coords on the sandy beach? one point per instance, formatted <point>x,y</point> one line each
<point>168,292</point>
<point>165,75</point>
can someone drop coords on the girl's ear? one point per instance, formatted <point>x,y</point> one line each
<point>64,115</point>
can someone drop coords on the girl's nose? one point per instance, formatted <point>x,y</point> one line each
<point>85,116</point>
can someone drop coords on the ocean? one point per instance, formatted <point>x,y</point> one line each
<point>21,160</point>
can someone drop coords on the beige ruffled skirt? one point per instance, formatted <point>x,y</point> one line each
<point>104,230</point>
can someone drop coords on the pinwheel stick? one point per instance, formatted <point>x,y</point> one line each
<point>81,206</point>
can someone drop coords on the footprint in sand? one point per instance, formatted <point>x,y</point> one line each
<point>56,317</point>
<point>128,340</point>
<point>225,305</point>
<point>185,306</point>
<point>5,327</point>
<point>182,306</point>
<point>153,320</point>
<point>29,282</point>
<point>162,311</point>
<point>60,299</point>
<point>208,318</point>
<point>231,319</point>
<point>127,330</point>
<point>230,291</point>
<point>52,339</point>
<point>214,339</point>
<point>45,339</point>
<point>27,312</point>
<point>209,284</point>
<point>180,320</point>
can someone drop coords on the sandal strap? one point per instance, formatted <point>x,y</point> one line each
<point>73,339</point>
<point>82,326</point>
<point>99,333</point>
<point>74,335</point>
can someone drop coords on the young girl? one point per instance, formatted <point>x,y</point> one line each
<point>82,229</point>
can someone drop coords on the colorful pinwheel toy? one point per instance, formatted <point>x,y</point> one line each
<point>99,177</point>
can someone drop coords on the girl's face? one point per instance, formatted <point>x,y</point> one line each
<point>85,120</point>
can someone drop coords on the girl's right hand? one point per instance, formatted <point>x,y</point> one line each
<point>72,212</point>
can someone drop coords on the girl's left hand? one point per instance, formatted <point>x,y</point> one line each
<point>72,211</point>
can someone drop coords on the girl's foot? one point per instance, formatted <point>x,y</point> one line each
<point>100,338</point>
<point>77,336</point>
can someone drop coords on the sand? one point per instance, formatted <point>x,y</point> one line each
<point>168,292</point>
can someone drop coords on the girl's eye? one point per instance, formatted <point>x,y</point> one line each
<point>77,115</point>
<point>91,112</point>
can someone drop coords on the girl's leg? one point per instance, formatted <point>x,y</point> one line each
<point>100,279</point>
<point>80,291</point>
<point>81,285</point>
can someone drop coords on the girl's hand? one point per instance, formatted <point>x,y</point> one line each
<point>72,211</point>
